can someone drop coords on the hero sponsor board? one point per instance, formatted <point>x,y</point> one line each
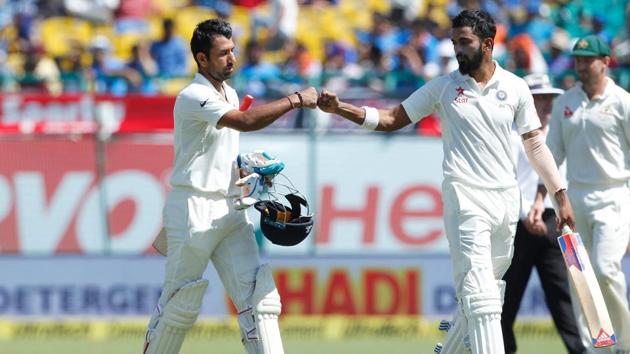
<point>57,196</point>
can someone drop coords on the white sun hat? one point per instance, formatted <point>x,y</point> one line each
<point>539,84</point>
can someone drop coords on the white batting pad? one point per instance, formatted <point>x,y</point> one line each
<point>501,286</point>
<point>483,311</point>
<point>161,243</point>
<point>267,308</point>
<point>456,335</point>
<point>178,316</point>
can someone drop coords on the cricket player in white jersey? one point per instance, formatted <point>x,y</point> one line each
<point>590,127</point>
<point>478,105</point>
<point>200,218</point>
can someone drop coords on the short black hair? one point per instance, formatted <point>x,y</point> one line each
<point>481,23</point>
<point>204,33</point>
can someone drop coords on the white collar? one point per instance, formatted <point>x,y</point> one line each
<point>607,90</point>
<point>204,81</point>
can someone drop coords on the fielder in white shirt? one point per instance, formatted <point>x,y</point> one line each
<point>478,104</point>
<point>590,128</point>
<point>200,217</point>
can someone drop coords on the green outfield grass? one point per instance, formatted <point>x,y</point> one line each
<point>301,335</point>
<point>546,345</point>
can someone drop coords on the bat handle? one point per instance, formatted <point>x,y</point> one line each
<point>566,230</point>
<point>247,101</point>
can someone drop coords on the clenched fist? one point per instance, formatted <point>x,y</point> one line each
<point>309,97</point>
<point>328,101</point>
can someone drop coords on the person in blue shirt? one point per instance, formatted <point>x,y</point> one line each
<point>170,53</point>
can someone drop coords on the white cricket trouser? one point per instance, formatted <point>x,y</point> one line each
<point>480,225</point>
<point>602,218</point>
<point>200,228</point>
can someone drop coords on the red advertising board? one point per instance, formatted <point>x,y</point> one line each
<point>86,113</point>
<point>81,112</point>
<point>50,195</point>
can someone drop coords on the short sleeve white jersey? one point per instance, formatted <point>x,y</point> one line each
<point>477,124</point>
<point>204,154</point>
<point>593,135</point>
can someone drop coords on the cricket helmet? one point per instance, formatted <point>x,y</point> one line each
<point>282,224</point>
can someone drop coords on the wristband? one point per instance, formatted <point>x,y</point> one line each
<point>301,100</point>
<point>371,119</point>
<point>290,102</point>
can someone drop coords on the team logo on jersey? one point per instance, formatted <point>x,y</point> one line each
<point>608,110</point>
<point>460,98</point>
<point>567,112</point>
<point>501,95</point>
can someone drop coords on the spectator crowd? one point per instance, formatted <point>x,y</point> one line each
<point>361,48</point>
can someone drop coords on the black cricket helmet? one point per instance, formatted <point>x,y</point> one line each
<point>281,224</point>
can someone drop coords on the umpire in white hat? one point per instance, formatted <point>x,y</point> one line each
<point>535,245</point>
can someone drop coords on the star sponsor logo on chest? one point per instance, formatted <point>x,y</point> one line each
<point>460,98</point>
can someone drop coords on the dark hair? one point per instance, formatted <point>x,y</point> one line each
<point>481,23</point>
<point>168,23</point>
<point>201,40</point>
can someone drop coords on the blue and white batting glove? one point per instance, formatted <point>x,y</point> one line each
<point>252,186</point>
<point>259,162</point>
<point>257,170</point>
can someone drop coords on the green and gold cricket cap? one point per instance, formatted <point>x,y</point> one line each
<point>590,46</point>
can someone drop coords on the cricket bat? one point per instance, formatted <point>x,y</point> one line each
<point>587,288</point>
<point>160,243</point>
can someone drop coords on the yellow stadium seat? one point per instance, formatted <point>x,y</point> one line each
<point>309,31</point>
<point>241,26</point>
<point>355,17</point>
<point>242,18</point>
<point>334,26</point>
<point>319,24</point>
<point>106,30</point>
<point>312,40</point>
<point>57,33</point>
<point>275,56</point>
<point>124,42</point>
<point>155,27</point>
<point>187,18</point>
<point>171,87</point>
<point>169,8</point>
<point>379,6</point>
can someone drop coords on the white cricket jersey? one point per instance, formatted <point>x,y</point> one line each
<point>527,177</point>
<point>593,135</point>
<point>477,124</point>
<point>204,154</point>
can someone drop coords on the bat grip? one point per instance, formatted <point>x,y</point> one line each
<point>566,230</point>
<point>247,101</point>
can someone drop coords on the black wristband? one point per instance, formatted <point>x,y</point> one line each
<point>300,97</point>
<point>290,102</point>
